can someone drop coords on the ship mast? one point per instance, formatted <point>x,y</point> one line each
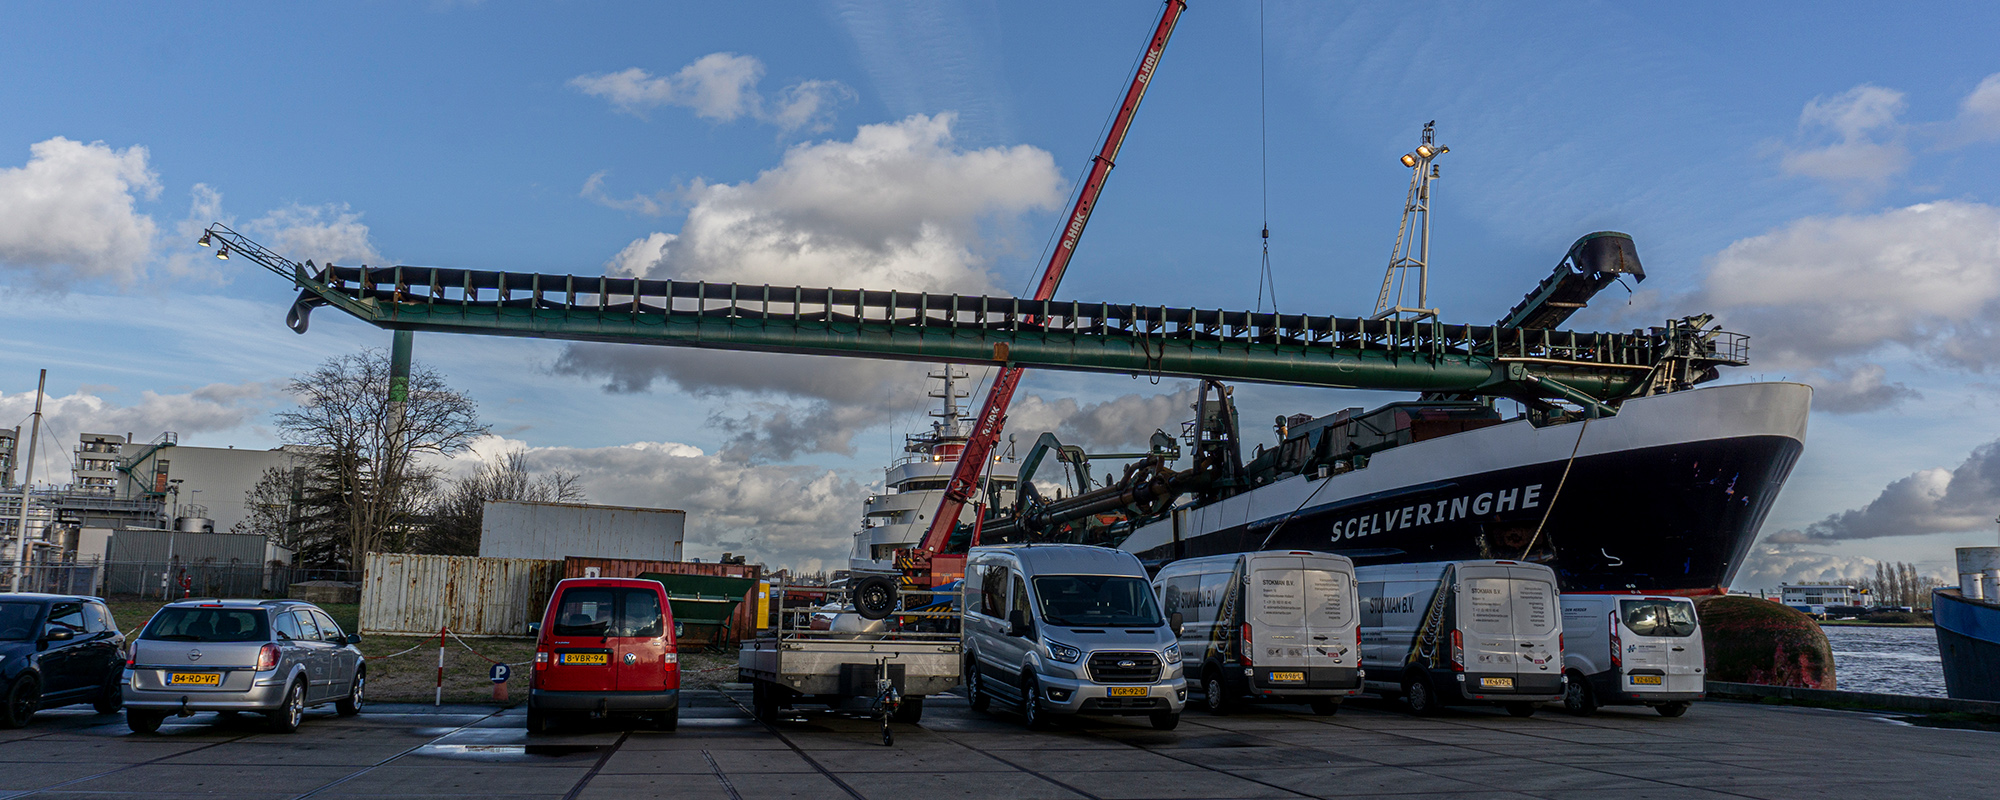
<point>1413,239</point>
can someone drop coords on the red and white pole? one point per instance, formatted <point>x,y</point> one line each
<point>438,700</point>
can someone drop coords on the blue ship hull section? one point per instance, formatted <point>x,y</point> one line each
<point>1968,635</point>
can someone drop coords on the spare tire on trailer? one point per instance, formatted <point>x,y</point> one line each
<point>874,597</point>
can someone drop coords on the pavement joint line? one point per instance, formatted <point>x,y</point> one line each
<point>717,769</point>
<point>795,748</point>
<point>601,761</point>
<point>1219,770</point>
<point>1003,760</point>
<point>372,767</point>
<point>117,770</point>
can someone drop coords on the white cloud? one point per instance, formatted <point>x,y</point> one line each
<point>1862,138</point>
<point>720,87</point>
<point>1124,423</point>
<point>801,517</point>
<point>1936,500</point>
<point>324,233</point>
<point>209,409</point>
<point>1862,387</point>
<point>67,215</point>
<point>1823,292</point>
<point>1978,115</point>
<point>1772,562</point>
<point>658,204</point>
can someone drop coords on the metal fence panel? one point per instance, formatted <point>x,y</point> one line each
<point>407,593</point>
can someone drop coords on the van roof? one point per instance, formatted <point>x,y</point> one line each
<point>634,583</point>
<point>1232,558</point>
<point>1070,559</point>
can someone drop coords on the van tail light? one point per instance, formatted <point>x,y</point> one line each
<point>1457,651</point>
<point>541,659</point>
<point>1246,647</point>
<point>1617,661</point>
<point>267,657</point>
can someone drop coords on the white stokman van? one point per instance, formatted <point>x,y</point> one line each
<point>1280,625</point>
<point>1454,632</point>
<point>1631,650</point>
<point>1068,629</point>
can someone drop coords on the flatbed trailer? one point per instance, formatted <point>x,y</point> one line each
<point>798,662</point>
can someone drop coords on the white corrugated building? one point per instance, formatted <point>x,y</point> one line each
<point>520,529</point>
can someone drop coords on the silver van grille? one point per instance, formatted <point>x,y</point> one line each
<point>1124,667</point>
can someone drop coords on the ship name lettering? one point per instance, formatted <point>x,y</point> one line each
<point>1519,498</point>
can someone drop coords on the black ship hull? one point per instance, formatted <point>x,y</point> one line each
<point>1672,516</point>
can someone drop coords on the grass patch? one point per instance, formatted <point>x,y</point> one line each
<point>412,677</point>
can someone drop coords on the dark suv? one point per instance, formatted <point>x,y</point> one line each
<point>57,650</point>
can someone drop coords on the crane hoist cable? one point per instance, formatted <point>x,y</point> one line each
<point>1264,277</point>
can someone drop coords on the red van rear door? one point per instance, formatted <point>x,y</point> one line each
<point>640,643</point>
<point>580,651</point>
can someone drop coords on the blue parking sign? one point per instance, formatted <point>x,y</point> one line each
<point>498,673</point>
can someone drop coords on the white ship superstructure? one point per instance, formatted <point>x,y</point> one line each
<point>913,486</point>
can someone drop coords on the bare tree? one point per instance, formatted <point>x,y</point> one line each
<point>371,485</point>
<point>458,511</point>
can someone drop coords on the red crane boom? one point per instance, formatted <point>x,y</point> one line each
<point>993,414</point>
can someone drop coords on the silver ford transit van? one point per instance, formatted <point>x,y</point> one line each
<point>1062,629</point>
<point>1278,626</point>
<point>1631,650</point>
<point>1461,632</point>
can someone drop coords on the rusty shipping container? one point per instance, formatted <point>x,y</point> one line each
<point>407,593</point>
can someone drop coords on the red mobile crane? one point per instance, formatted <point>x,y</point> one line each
<point>922,565</point>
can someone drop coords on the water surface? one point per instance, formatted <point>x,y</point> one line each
<point>1889,660</point>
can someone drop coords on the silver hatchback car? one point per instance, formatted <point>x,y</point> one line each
<point>274,657</point>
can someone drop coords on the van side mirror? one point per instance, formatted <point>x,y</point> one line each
<point>534,629</point>
<point>1174,620</point>
<point>1017,623</point>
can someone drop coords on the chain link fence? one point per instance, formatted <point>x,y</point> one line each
<point>169,579</point>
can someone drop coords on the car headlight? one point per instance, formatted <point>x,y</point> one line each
<point>1172,654</point>
<point>1064,653</point>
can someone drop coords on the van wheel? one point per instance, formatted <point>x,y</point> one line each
<point>1031,705</point>
<point>1422,699</point>
<point>1673,709</point>
<point>1326,706</point>
<point>1165,720</point>
<point>975,687</point>
<point>1577,698</point>
<point>22,699</point>
<point>540,721</point>
<point>287,716</point>
<point>1215,696</point>
<point>667,720</point>
<point>909,712</point>
<point>144,721</point>
<point>1522,710</point>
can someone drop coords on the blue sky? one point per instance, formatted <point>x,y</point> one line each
<point>1819,178</point>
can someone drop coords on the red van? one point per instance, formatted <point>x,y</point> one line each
<point>605,646</point>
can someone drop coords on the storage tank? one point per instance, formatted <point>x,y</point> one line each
<point>520,529</point>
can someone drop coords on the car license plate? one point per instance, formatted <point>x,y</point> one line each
<point>194,679</point>
<point>586,658</point>
<point>1646,680</point>
<point>1496,683</point>
<point>1128,691</point>
<point>1288,676</point>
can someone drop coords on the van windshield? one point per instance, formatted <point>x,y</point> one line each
<point>1658,617</point>
<point>1089,601</point>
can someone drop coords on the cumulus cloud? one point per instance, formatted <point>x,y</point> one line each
<point>1124,423</point>
<point>1828,293</point>
<point>898,207</point>
<point>324,233</point>
<point>791,516</point>
<point>1936,500</point>
<point>1859,388</point>
<point>721,87</point>
<point>1978,115</point>
<point>1856,138</point>
<point>1776,560</point>
<point>67,215</point>
<point>212,408</point>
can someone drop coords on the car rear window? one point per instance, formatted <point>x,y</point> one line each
<point>208,625</point>
<point>600,611</point>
